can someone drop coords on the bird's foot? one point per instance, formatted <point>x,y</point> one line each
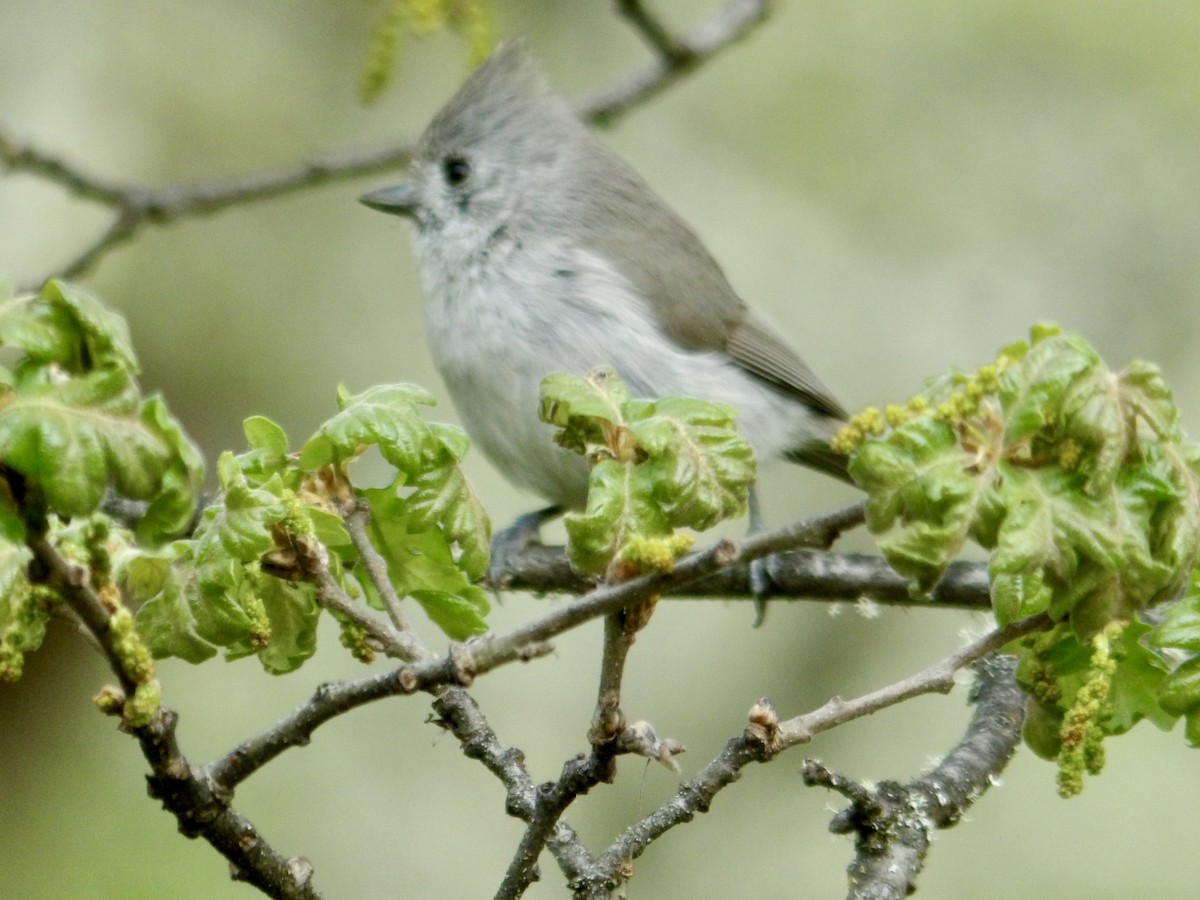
<point>760,587</point>
<point>509,543</point>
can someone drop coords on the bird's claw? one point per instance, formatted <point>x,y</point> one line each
<point>760,587</point>
<point>509,543</point>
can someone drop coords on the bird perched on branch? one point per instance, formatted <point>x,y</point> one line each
<point>541,251</point>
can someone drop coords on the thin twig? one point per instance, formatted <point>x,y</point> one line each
<point>23,158</point>
<point>460,714</point>
<point>937,678</point>
<point>619,635</point>
<point>464,662</point>
<point>581,773</point>
<point>313,560</point>
<point>668,48</point>
<point>765,738</point>
<point>296,729</point>
<point>138,206</point>
<point>71,580</point>
<point>711,36</point>
<point>377,571</point>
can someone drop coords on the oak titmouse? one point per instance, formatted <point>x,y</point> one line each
<point>541,251</point>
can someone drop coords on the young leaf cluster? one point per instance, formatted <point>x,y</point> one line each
<point>654,467</point>
<point>245,580</point>
<point>1080,483</point>
<point>78,438</point>
<point>75,430</point>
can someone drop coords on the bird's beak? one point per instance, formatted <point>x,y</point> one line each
<point>398,200</point>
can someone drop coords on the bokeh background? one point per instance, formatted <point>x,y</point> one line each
<point>904,185</point>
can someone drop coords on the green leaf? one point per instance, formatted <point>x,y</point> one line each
<point>1077,480</point>
<point>444,497</point>
<point>68,327</point>
<point>73,419</point>
<point>922,497</point>
<point>422,565</point>
<point>164,618</point>
<point>1017,595</point>
<point>174,505</point>
<point>386,416</point>
<point>620,507</point>
<point>1180,691</point>
<point>268,448</point>
<point>44,332</point>
<point>1041,731</point>
<point>239,523</point>
<point>328,527</point>
<point>459,614</point>
<point>227,608</point>
<point>426,455</point>
<point>265,436</point>
<point>1136,684</point>
<point>701,468</point>
<point>601,395</point>
<point>1192,728</point>
<point>655,466</point>
<point>1034,390</point>
<point>225,594</point>
<point>292,611</point>
<point>12,525</point>
<point>1081,484</point>
<point>1180,625</point>
<point>585,410</point>
<point>104,331</point>
<point>74,438</point>
<point>453,438</point>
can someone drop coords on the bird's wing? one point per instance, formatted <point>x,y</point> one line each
<point>686,289</point>
<point>754,345</point>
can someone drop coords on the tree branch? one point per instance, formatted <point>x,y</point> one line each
<point>668,48</point>
<point>296,729</point>
<point>795,573</point>
<point>463,662</point>
<point>312,560</point>
<point>607,737</point>
<point>579,775</point>
<point>676,56</point>
<point>138,206</point>
<point>489,651</point>
<point>542,808</point>
<point>765,737</point>
<point>620,631</point>
<point>460,715</point>
<point>894,823</point>
<point>200,809</point>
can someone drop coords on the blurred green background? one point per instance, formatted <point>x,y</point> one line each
<point>903,186</point>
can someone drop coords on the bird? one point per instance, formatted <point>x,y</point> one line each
<point>540,250</point>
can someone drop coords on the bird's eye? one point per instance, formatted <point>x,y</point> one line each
<point>456,169</point>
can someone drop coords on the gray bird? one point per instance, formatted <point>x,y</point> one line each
<point>541,251</point>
